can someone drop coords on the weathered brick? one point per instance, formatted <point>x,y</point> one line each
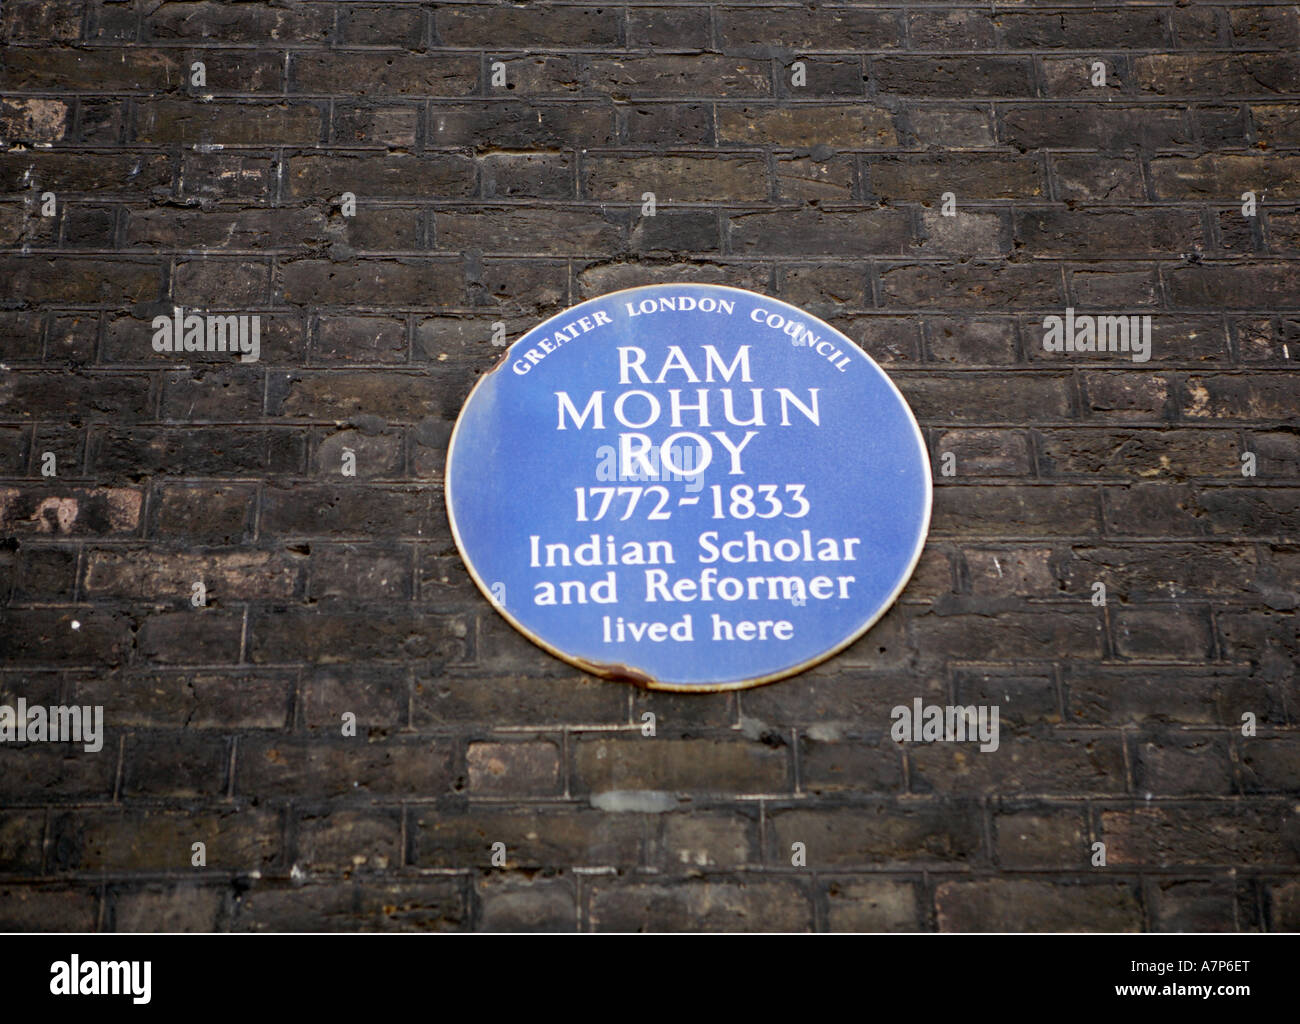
<point>232,699</point>
<point>522,231</point>
<point>462,837</point>
<point>1014,905</point>
<point>1110,129</point>
<point>1041,836</point>
<point>874,905</point>
<point>295,768</point>
<point>1024,699</point>
<point>803,234</point>
<point>537,26</point>
<point>48,908</point>
<point>509,123</point>
<point>336,636</point>
<point>500,700</point>
<point>380,26</point>
<point>1096,179</point>
<point>725,766</point>
<point>238,839</point>
<point>706,840</point>
<point>345,840</point>
<point>1140,29</point>
<point>339,394</point>
<point>1261,832</point>
<point>167,577</point>
<point>201,451</point>
<point>672,123</point>
<point>669,28</point>
<point>149,70</point>
<point>207,513</point>
<point>992,511</point>
<point>953,77</point>
<point>527,904</point>
<point>42,20</point>
<point>426,905</point>
<point>972,286</point>
<point>390,176</point>
<point>1133,232</point>
<point>361,73</point>
<point>1187,74</point>
<point>649,77</point>
<point>514,769</point>
<point>1226,175</point>
<point>177,767</point>
<point>100,511</point>
<point>750,905</point>
<point>83,281</point>
<point>1020,766</point>
<point>103,174</point>
<point>1141,453</point>
<point>1193,905</point>
<point>951,30</point>
<point>880,833</point>
<point>1183,764</point>
<point>183,907</point>
<point>249,23</point>
<point>384,282</point>
<point>21,833</point>
<point>986,452</point>
<point>675,179</point>
<point>47,636</point>
<point>868,764</point>
<point>165,122</point>
<point>198,636</point>
<point>60,772</point>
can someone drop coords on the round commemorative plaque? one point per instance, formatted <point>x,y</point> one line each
<point>688,486</point>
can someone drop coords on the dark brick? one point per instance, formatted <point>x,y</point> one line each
<point>953,77</point>
<point>675,179</point>
<point>227,124</point>
<point>523,904</point>
<point>208,513</point>
<point>382,282</point>
<point>751,905</point>
<point>383,74</point>
<point>248,23</point>
<point>514,769</point>
<point>48,908</point>
<point>1262,832</point>
<point>661,76</point>
<point>879,834</point>
<point>1008,905</point>
<point>727,766</point>
<point>537,26</point>
<point>330,637</point>
<point>872,905</point>
<point>1038,836</point>
<point>228,700</point>
<point>1020,766</point>
<point>458,837</point>
<point>427,905</point>
<point>184,907</point>
<point>161,840</point>
<point>294,768</point>
<point>178,767</point>
<point>199,636</point>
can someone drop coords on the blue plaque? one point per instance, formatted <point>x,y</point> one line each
<point>691,487</point>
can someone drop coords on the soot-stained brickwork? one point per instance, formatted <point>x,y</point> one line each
<point>206,155</point>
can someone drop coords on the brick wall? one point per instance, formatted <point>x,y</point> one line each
<point>478,204</point>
